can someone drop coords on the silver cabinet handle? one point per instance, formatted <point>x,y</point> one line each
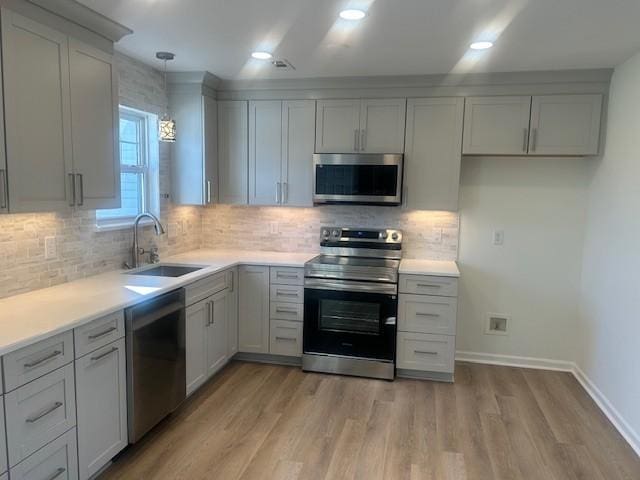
<point>208,191</point>
<point>44,413</point>
<point>101,334</point>
<point>3,186</point>
<point>534,140</point>
<point>525,139</point>
<point>290,339</point>
<point>102,355</point>
<point>59,471</point>
<point>288,328</point>
<point>427,285</point>
<point>277,192</point>
<point>285,192</point>
<point>425,352</point>
<point>287,275</point>
<point>363,139</point>
<point>285,310</point>
<point>286,294</point>
<point>356,137</point>
<point>81,189</point>
<point>209,313</point>
<point>232,281</point>
<point>53,355</point>
<point>425,314</point>
<point>72,179</point>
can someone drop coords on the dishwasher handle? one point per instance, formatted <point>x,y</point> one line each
<point>142,315</point>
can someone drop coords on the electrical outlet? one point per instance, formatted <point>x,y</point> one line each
<point>498,237</point>
<point>50,250</point>
<point>273,228</point>
<point>497,324</point>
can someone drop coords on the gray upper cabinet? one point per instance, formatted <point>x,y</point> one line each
<point>338,126</point>
<point>194,175</point>
<point>281,152</point>
<point>233,163</point>
<point>35,64</point>
<point>496,125</point>
<point>4,194</point>
<point>298,130</point>
<point>433,153</point>
<point>565,124</point>
<point>61,120</point>
<point>539,125</point>
<point>94,126</point>
<point>382,123</point>
<point>360,126</point>
<point>265,152</point>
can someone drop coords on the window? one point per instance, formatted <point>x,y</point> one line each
<point>137,160</point>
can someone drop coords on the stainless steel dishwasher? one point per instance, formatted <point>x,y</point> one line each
<point>156,365</point>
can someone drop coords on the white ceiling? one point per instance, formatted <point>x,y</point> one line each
<point>398,37</point>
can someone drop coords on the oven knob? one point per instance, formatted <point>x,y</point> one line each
<point>325,233</point>
<point>336,233</point>
<point>384,235</point>
<point>395,236</point>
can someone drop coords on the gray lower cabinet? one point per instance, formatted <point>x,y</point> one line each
<point>207,337</point>
<point>3,441</point>
<point>56,461</point>
<point>286,311</point>
<point>253,309</point>
<point>232,314</point>
<point>39,412</point>
<point>101,390</point>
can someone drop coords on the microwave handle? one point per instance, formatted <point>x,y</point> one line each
<point>356,139</point>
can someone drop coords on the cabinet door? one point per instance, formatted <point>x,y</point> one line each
<point>101,390</point>
<point>35,64</point>
<point>253,309</point>
<point>197,319</point>
<point>232,314</point>
<point>217,334</point>
<point>94,127</point>
<point>57,460</point>
<point>233,163</point>
<point>298,130</point>
<point>565,124</point>
<point>496,125</point>
<point>265,152</point>
<point>433,153</point>
<point>382,124</point>
<point>338,126</point>
<point>4,194</point>
<point>211,185</point>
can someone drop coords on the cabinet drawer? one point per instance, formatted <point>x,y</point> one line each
<point>287,311</point>
<point>287,293</point>
<point>287,276</point>
<point>98,333</point>
<point>206,287</point>
<point>39,412</point>
<point>427,314</point>
<point>58,460</point>
<point>3,440</point>
<point>285,338</point>
<point>428,285</point>
<point>36,360</point>
<point>429,353</point>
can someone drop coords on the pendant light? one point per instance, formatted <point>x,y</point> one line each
<point>167,125</point>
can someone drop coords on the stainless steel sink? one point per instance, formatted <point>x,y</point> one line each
<point>166,271</point>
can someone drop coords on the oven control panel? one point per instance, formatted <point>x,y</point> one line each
<point>361,236</point>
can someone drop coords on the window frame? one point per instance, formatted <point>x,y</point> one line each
<point>145,168</point>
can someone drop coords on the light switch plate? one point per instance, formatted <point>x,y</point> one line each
<point>498,237</point>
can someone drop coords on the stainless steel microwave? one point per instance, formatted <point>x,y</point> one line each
<point>364,179</point>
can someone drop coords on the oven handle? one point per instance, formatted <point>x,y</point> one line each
<point>350,286</point>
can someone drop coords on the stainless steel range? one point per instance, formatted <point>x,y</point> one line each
<point>351,303</point>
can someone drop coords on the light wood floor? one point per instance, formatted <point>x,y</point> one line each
<point>271,422</point>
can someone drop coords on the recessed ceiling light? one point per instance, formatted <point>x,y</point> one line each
<point>352,14</point>
<point>481,45</point>
<point>261,55</point>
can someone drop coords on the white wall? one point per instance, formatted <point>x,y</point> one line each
<point>534,277</point>
<point>609,352</point>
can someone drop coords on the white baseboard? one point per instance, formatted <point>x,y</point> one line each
<point>618,421</point>
<point>514,361</point>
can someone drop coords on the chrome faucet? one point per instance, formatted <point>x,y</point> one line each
<point>136,251</point>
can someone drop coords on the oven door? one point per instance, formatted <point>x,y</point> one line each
<point>348,319</point>
<point>360,179</point>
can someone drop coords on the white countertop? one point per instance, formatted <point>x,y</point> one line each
<point>33,316</point>
<point>439,268</point>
